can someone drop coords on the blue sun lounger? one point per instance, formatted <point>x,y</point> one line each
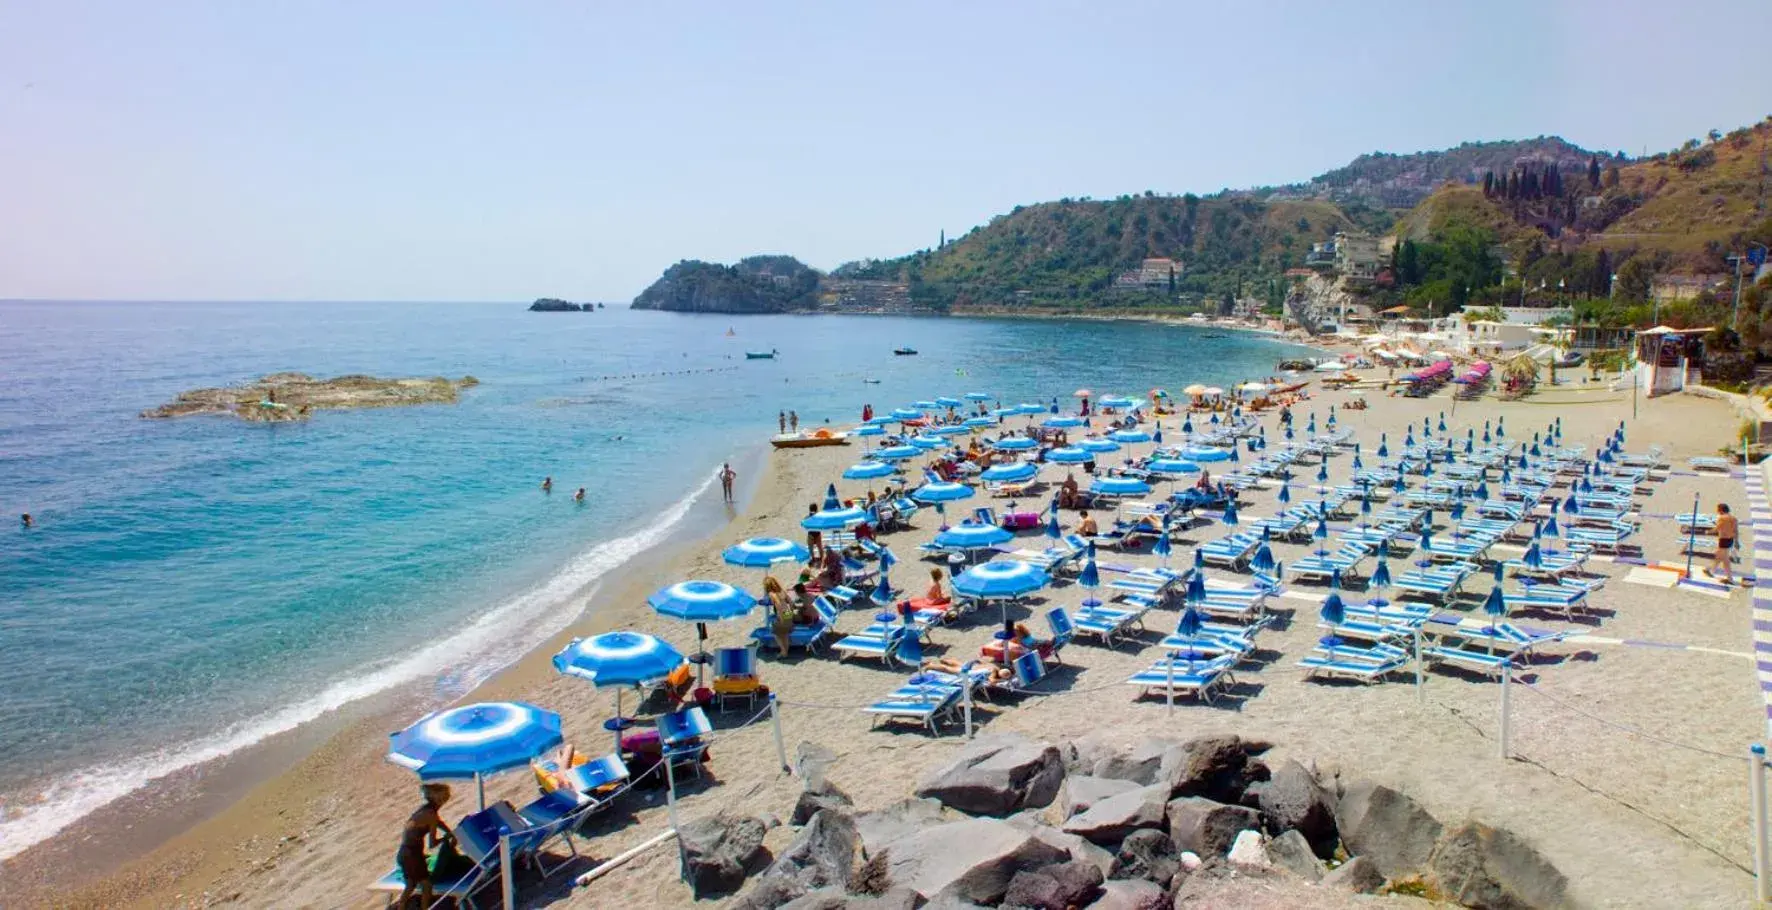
<point>1224,641</point>
<point>1234,550</point>
<point>1345,560</point>
<point>923,698</point>
<point>1710,463</point>
<point>1442,582</point>
<point>806,636</point>
<point>1488,664</point>
<point>1108,623</point>
<point>1199,679</point>
<point>877,640</point>
<point>1610,539</point>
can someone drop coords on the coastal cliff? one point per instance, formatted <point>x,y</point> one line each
<point>283,397</point>
<point>759,284</point>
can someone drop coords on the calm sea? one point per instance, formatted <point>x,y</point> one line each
<point>193,586</point>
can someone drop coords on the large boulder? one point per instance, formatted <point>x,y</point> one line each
<point>1110,820</point>
<point>1208,827</point>
<point>1057,887</point>
<point>1218,768</point>
<point>1358,875</point>
<point>822,856</point>
<point>1386,827</point>
<point>1082,791</point>
<point>1078,848</point>
<point>1148,855</point>
<point>971,860</point>
<point>1130,894</point>
<point>1291,852</point>
<point>907,816</point>
<point>818,794</point>
<point>720,851</point>
<point>1293,800</point>
<point>997,775</point>
<point>1139,763</point>
<point>1492,869</point>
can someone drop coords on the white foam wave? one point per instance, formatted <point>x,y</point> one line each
<point>483,646</point>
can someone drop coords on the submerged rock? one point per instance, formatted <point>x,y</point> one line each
<point>283,397</point>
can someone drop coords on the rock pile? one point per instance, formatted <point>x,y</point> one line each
<point>1018,823</point>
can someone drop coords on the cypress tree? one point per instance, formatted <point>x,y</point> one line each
<point>1593,171</point>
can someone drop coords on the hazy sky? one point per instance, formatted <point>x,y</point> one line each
<point>250,149</point>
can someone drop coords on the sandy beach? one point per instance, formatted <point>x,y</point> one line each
<point>1629,739</point>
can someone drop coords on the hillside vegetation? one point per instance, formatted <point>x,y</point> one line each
<point>759,284</point>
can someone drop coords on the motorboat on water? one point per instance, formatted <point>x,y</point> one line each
<point>905,352</point>
<point>760,355</point>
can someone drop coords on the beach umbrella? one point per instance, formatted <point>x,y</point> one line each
<point>939,494</point>
<point>1495,604</point>
<point>1230,513</point>
<point>949,402</point>
<point>1570,507</point>
<point>1090,579</point>
<point>1195,389</point>
<point>701,602</point>
<point>1001,580</point>
<point>1507,475</point>
<point>1029,408</point>
<point>880,420</point>
<point>1486,437</point>
<point>763,552</point>
<point>1457,510</point>
<point>867,470</point>
<point>1534,556</point>
<point>1233,450</point>
<point>1069,455</point>
<point>1358,465</point>
<point>1014,472</point>
<point>870,429</point>
<point>1130,436</point>
<point>1214,419</point>
<point>1115,401</point>
<point>1203,453</point>
<point>1442,423</point>
<point>1365,506</point>
<point>980,422</point>
<point>1381,577</point>
<point>1311,427</point>
<point>1482,491</point>
<point>925,404</point>
<point>925,441</point>
<point>1171,466</point>
<point>1118,486</point>
<point>1289,433</point>
<point>1000,413</point>
<point>1469,446</point>
<point>1322,531</point>
<point>952,429</point>
<point>1409,440</point>
<point>896,453</point>
<point>1264,554</point>
<point>971,536</point>
<point>1334,611</point>
<point>1064,421</point>
<point>1162,548</point>
<point>1157,435</point>
<point>834,519</point>
<point>906,414</point>
<point>830,498</point>
<point>1098,446</point>
<point>1196,587</point>
<point>1285,492</point>
<point>472,741</point>
<point>978,396</point>
<point>616,660</point>
<point>1082,393</point>
<point>1015,444</point>
<point>1587,486</point>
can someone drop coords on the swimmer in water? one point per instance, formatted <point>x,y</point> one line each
<point>547,484</point>
<point>26,520</point>
<point>579,496</point>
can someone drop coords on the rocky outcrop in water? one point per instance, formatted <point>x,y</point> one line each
<point>556,305</point>
<point>282,397</point>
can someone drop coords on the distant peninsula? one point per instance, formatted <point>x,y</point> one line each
<point>556,305</point>
<point>283,397</point>
<point>759,284</point>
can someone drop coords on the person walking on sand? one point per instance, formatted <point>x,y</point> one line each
<point>422,831</point>
<point>1727,533</point>
<point>727,476</point>
<point>793,421</point>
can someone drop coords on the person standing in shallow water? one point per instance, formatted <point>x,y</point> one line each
<point>727,476</point>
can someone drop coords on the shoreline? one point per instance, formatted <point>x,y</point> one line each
<point>93,853</point>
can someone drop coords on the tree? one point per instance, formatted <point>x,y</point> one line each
<point>1488,184</point>
<point>1611,176</point>
<point>1634,279</point>
<point>1593,172</point>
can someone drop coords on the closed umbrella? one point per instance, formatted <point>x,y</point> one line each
<point>1334,611</point>
<point>1162,547</point>
<point>1264,555</point>
<point>1089,579</point>
<point>1230,513</point>
<point>830,498</point>
<point>616,660</point>
<point>472,741</point>
<point>1285,492</point>
<point>1052,529</point>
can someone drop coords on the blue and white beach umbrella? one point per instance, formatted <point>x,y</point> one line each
<point>1118,486</point>
<point>1098,446</point>
<point>1089,579</point>
<point>763,552</point>
<point>941,491</point>
<point>948,401</point>
<point>1064,421</point>
<point>1202,454</point>
<point>1013,472</point>
<point>1334,611</point>
<point>1187,424</point>
<point>1069,455</point>
<point>1129,436</point>
<point>1230,513</point>
<point>1495,604</point>
<point>925,441</point>
<point>834,519</point>
<point>906,414</point>
<point>971,535</point>
<point>897,453</point>
<point>1171,466</point>
<point>702,601</point>
<point>1000,579</point>
<point>1115,401</point>
<point>980,422</point>
<point>1029,408</point>
<point>616,659</point>
<point>1004,412</point>
<point>870,429</point>
<point>1285,492</point>
<point>867,470</point>
<point>925,404</point>
<point>1384,450</point>
<point>1015,444</point>
<point>1323,472</point>
<point>1264,554</point>
<point>978,396</point>
<point>1162,548</point>
<point>472,741</point>
<point>830,498</point>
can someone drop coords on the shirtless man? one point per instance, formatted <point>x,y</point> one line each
<point>1728,532</point>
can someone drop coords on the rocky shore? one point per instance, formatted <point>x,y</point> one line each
<point>282,397</point>
<point>1205,822</point>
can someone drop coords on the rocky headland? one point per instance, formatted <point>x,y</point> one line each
<point>556,305</point>
<point>282,397</point>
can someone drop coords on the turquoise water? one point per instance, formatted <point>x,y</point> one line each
<point>195,585</point>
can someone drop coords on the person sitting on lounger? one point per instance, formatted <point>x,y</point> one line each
<point>805,613</point>
<point>936,595</point>
<point>1067,492</point>
<point>815,545</point>
<point>424,829</point>
<point>830,573</point>
<point>1087,526</point>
